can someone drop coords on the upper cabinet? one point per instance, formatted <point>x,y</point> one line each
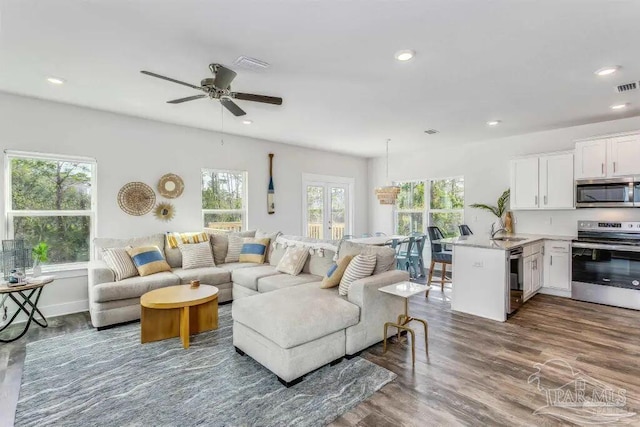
<point>608,157</point>
<point>542,182</point>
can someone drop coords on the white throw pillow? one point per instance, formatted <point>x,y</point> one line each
<point>196,255</point>
<point>234,249</point>
<point>293,260</point>
<point>360,267</point>
<point>119,261</point>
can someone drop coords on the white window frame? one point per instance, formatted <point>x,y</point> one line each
<point>244,211</point>
<point>427,205</point>
<point>10,213</point>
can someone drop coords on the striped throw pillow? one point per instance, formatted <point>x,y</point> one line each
<point>174,239</point>
<point>254,250</point>
<point>119,261</point>
<point>148,260</point>
<point>360,267</point>
<point>234,249</point>
<point>196,255</point>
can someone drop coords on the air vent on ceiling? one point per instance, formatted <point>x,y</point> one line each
<point>431,131</point>
<point>250,63</point>
<point>627,87</point>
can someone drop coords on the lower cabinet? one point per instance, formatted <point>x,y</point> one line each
<point>532,265</point>
<point>557,265</point>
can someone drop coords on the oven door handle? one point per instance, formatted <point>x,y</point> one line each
<point>623,248</point>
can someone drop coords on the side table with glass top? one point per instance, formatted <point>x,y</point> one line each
<point>406,290</point>
<point>26,296</point>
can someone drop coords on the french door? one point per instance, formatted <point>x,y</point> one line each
<point>326,210</point>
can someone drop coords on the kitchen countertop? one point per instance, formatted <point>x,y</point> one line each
<point>478,241</point>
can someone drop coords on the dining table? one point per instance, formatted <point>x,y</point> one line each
<point>377,240</point>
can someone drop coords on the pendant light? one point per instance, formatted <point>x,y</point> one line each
<point>388,194</point>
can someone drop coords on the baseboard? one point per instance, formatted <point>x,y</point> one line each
<point>555,292</point>
<point>55,310</point>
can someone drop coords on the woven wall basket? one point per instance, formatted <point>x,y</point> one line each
<point>136,198</point>
<point>170,186</point>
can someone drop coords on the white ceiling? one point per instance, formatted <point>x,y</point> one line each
<point>527,63</point>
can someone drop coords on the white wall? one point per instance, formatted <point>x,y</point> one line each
<point>132,149</point>
<point>485,167</point>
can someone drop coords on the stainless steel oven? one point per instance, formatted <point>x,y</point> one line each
<point>515,276</point>
<point>606,263</point>
<point>606,193</point>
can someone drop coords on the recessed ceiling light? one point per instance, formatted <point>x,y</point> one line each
<point>247,122</point>
<point>55,80</point>
<point>619,106</point>
<point>405,55</point>
<point>494,122</point>
<point>607,70</point>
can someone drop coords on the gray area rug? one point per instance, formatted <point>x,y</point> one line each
<point>108,378</point>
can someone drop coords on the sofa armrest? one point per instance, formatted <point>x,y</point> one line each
<point>362,290</point>
<point>100,273</point>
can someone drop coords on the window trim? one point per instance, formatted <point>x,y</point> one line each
<point>92,213</point>
<point>244,212</point>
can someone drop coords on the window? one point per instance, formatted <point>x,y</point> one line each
<point>436,202</point>
<point>224,200</point>
<point>52,199</point>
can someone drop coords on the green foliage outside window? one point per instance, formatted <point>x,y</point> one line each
<point>223,191</point>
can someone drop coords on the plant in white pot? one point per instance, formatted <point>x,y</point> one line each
<point>40,254</point>
<point>499,210</point>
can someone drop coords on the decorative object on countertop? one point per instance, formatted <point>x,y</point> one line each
<point>508,222</point>
<point>164,211</point>
<point>498,210</point>
<point>170,186</point>
<point>271,205</point>
<point>136,198</point>
<point>40,254</point>
<point>388,194</point>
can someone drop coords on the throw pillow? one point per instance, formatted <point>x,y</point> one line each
<point>360,267</point>
<point>148,260</point>
<point>234,248</point>
<point>174,239</point>
<point>118,260</point>
<point>196,255</point>
<point>293,260</point>
<point>335,273</point>
<point>272,238</point>
<point>254,250</point>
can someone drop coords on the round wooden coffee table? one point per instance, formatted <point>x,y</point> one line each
<point>178,311</point>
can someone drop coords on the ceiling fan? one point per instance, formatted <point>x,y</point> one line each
<point>219,87</point>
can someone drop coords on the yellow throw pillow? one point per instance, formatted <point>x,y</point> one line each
<point>148,260</point>
<point>335,273</point>
<point>174,239</point>
<point>254,250</point>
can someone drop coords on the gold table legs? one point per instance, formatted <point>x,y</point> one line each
<point>403,321</point>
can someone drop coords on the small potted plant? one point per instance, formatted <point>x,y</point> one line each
<point>40,255</point>
<point>498,210</point>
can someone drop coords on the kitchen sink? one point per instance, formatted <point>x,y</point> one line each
<point>509,239</point>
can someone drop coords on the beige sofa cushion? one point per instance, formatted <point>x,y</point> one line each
<point>260,234</point>
<point>106,242</point>
<point>385,256</point>
<point>220,243</point>
<point>233,266</point>
<point>207,275</point>
<point>281,281</point>
<point>248,277</point>
<point>133,287</point>
<point>319,265</point>
<point>297,315</point>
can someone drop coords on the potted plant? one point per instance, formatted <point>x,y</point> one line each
<point>40,255</point>
<point>498,210</point>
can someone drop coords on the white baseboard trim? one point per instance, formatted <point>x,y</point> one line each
<point>555,292</point>
<point>55,310</point>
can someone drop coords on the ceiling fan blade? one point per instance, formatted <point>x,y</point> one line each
<point>149,73</point>
<point>224,77</point>
<point>257,98</point>
<point>188,98</point>
<point>232,106</point>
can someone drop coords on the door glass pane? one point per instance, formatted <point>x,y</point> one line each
<point>338,212</point>
<point>223,221</point>
<point>315,211</point>
<point>447,222</point>
<point>408,222</point>
<point>67,236</point>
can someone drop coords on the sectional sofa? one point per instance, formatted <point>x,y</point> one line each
<point>287,323</point>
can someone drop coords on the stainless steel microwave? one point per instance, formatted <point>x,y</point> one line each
<point>621,192</point>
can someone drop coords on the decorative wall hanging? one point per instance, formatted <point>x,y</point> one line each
<point>388,194</point>
<point>271,192</point>
<point>164,211</point>
<point>136,198</point>
<point>170,186</point>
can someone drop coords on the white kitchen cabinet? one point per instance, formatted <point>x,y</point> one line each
<point>532,265</point>
<point>542,182</point>
<point>557,265</point>
<point>591,159</point>
<point>624,155</point>
<point>556,181</point>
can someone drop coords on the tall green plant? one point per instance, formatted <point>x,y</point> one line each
<point>41,252</point>
<point>501,205</point>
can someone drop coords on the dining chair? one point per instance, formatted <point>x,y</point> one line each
<point>391,243</point>
<point>438,254</point>
<point>403,254</point>
<point>465,230</point>
<point>380,234</point>
<point>365,235</point>
<point>417,254</point>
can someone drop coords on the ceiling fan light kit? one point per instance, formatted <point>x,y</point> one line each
<point>388,194</point>
<point>219,87</point>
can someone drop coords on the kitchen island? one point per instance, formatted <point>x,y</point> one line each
<point>493,277</point>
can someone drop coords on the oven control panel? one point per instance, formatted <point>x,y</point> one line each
<point>612,226</point>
